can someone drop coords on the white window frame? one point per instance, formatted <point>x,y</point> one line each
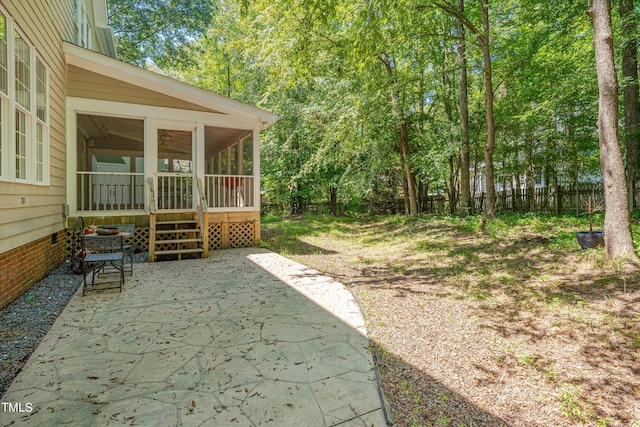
<point>35,152</point>
<point>21,155</point>
<point>5,106</point>
<point>41,146</point>
<point>24,153</point>
<point>5,139</point>
<point>83,24</point>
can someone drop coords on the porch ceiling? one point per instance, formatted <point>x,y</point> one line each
<point>218,139</point>
<point>149,82</point>
<point>127,135</point>
<point>112,133</point>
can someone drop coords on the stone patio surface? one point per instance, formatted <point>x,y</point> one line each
<point>245,337</point>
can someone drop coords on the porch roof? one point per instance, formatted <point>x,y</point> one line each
<point>149,80</point>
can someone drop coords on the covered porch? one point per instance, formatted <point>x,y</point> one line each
<point>180,161</point>
<point>118,172</point>
<point>188,186</point>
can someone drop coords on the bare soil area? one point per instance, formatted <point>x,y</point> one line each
<point>511,324</point>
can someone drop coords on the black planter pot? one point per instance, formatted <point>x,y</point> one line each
<point>588,240</point>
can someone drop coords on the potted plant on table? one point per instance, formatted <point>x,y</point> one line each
<point>591,239</point>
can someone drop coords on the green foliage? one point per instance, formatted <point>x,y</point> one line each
<point>318,65</point>
<point>156,30</point>
<point>572,404</point>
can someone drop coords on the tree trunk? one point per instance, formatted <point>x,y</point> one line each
<point>517,191</point>
<point>295,187</point>
<point>630,94</point>
<point>453,195</point>
<point>404,137</point>
<point>530,179</point>
<point>465,183</point>
<point>491,136</point>
<point>474,190</point>
<point>333,200</point>
<point>617,226</point>
<point>405,189</point>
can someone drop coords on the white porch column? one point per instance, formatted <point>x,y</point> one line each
<point>72,162</point>
<point>150,161</point>
<point>257,197</point>
<point>199,163</point>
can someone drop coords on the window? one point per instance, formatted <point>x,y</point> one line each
<point>41,119</point>
<point>3,88</point>
<point>21,145</point>
<point>24,108</point>
<point>41,90</point>
<point>83,26</point>
<point>23,99</point>
<point>23,72</point>
<point>3,54</point>
<point>1,134</point>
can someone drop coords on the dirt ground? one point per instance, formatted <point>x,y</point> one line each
<point>511,325</point>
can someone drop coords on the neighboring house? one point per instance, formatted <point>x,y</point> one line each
<point>83,134</point>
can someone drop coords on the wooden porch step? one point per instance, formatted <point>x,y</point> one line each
<point>179,230</point>
<point>182,221</point>
<point>180,251</point>
<point>160,242</point>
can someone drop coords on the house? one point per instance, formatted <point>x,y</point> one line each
<point>83,134</point>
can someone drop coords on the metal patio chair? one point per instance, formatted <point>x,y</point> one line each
<point>129,231</point>
<point>103,256</point>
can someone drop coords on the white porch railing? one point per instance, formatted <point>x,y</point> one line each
<point>114,191</point>
<point>110,191</point>
<point>175,191</point>
<point>229,191</point>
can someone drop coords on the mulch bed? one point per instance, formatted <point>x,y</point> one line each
<point>490,330</point>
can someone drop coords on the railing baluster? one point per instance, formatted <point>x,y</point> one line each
<point>230,191</point>
<point>112,191</point>
<point>109,191</point>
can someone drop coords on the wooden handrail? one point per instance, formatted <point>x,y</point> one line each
<point>204,204</point>
<point>153,208</point>
<point>203,208</point>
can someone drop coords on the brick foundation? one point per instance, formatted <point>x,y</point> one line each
<point>20,268</point>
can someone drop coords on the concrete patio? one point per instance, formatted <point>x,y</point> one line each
<point>245,337</point>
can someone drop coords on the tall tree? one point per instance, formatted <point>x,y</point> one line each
<point>465,182</point>
<point>404,135</point>
<point>491,133</point>
<point>630,93</point>
<point>485,47</point>
<point>317,63</point>
<point>617,225</point>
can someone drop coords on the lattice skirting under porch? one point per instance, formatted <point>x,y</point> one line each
<point>215,236</point>
<point>232,235</point>
<point>140,239</point>
<point>241,234</point>
<point>221,235</point>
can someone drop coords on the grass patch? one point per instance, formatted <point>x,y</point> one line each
<point>573,405</point>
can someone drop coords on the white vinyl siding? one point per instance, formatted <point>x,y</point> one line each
<point>30,209</point>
